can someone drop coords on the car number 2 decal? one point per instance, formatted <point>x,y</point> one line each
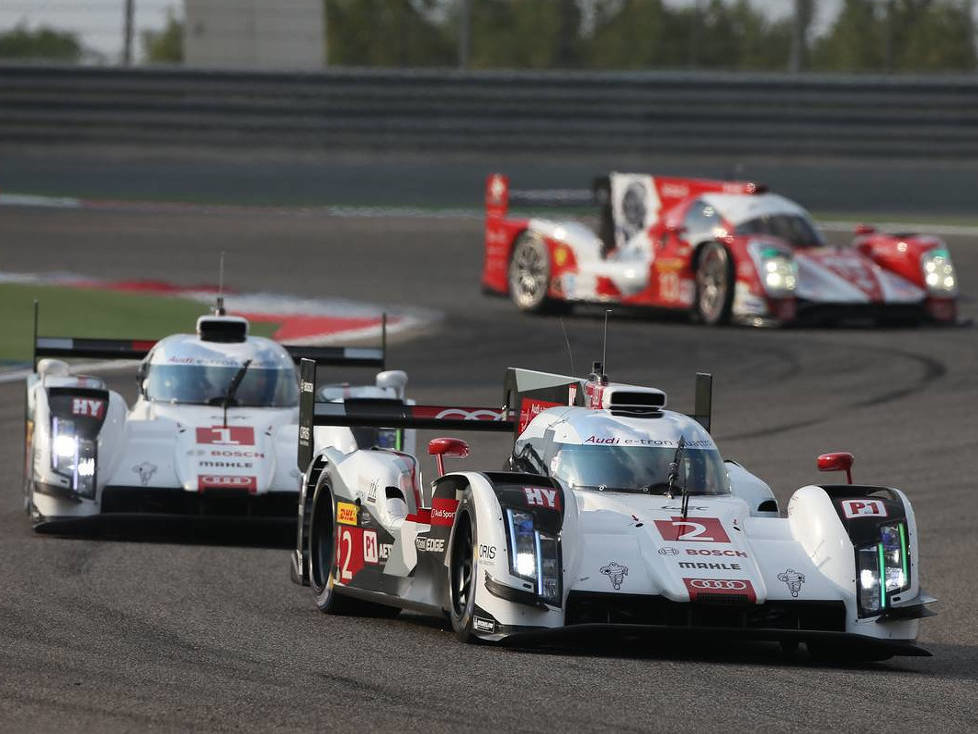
<point>697,530</point>
<point>355,547</point>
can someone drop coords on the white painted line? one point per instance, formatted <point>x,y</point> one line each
<point>950,230</point>
<point>359,212</point>
<point>63,202</point>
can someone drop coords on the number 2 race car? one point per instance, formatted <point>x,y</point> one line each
<point>615,513</point>
<point>212,432</point>
<point>721,250</point>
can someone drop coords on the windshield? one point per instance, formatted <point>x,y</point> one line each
<point>639,469</point>
<point>796,230</point>
<point>207,385</point>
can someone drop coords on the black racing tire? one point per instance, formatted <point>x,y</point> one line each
<point>322,545</point>
<point>462,574</point>
<point>528,276</point>
<point>845,652</point>
<point>714,284</point>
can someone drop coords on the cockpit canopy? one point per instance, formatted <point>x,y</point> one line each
<point>646,469</point>
<point>183,369</point>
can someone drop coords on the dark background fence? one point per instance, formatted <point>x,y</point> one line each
<point>790,115</point>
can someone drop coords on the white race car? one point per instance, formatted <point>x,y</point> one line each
<point>616,512</point>
<point>213,431</point>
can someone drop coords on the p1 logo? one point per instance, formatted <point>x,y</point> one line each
<point>863,508</point>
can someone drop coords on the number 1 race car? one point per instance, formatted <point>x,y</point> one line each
<point>212,432</point>
<point>721,250</point>
<point>615,513</point>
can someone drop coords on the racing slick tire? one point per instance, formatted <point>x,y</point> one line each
<point>714,284</point>
<point>322,546</point>
<point>529,276</point>
<point>461,573</point>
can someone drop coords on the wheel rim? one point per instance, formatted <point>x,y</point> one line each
<point>711,282</point>
<point>321,546</point>
<point>528,275</point>
<point>462,567</point>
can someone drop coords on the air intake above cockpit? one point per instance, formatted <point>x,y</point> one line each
<point>226,329</point>
<point>633,402</point>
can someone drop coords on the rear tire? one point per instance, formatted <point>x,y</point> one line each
<point>529,275</point>
<point>461,576</point>
<point>322,550</point>
<point>714,284</point>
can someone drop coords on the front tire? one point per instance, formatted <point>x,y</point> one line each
<point>529,274</point>
<point>714,284</point>
<point>322,562</point>
<point>461,579</point>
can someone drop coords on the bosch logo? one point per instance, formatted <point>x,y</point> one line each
<point>668,552</point>
<point>719,584</point>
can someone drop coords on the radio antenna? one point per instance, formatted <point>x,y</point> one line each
<point>604,346</point>
<point>570,353</point>
<point>219,309</point>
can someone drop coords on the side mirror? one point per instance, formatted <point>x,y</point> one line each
<point>864,229</point>
<point>837,461</point>
<point>442,447</point>
<point>676,228</point>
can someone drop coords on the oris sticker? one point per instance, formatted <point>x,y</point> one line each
<point>863,508</point>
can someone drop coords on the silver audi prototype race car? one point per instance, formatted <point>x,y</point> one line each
<point>212,432</point>
<point>615,512</point>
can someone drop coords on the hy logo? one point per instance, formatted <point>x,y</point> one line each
<point>793,579</point>
<point>616,573</point>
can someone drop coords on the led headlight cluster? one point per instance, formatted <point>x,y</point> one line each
<point>883,569</point>
<point>533,555</point>
<point>939,272</point>
<point>73,457</point>
<point>778,271</point>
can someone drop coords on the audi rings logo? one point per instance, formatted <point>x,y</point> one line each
<point>719,584</point>
<point>471,415</point>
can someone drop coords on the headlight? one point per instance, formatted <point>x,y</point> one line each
<point>533,555</point>
<point>778,271</point>
<point>73,457</point>
<point>939,272</point>
<point>883,569</point>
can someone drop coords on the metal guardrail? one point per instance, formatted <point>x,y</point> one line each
<point>588,112</point>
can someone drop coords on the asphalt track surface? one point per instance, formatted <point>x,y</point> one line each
<point>117,635</point>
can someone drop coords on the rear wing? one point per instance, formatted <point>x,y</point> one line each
<point>528,392</point>
<point>54,346</point>
<point>384,413</point>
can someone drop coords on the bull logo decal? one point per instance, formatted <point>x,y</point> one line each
<point>793,579</point>
<point>145,472</point>
<point>616,573</point>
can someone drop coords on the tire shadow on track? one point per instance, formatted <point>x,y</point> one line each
<point>948,661</point>
<point>232,531</point>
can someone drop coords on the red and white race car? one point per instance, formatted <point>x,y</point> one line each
<point>722,250</point>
